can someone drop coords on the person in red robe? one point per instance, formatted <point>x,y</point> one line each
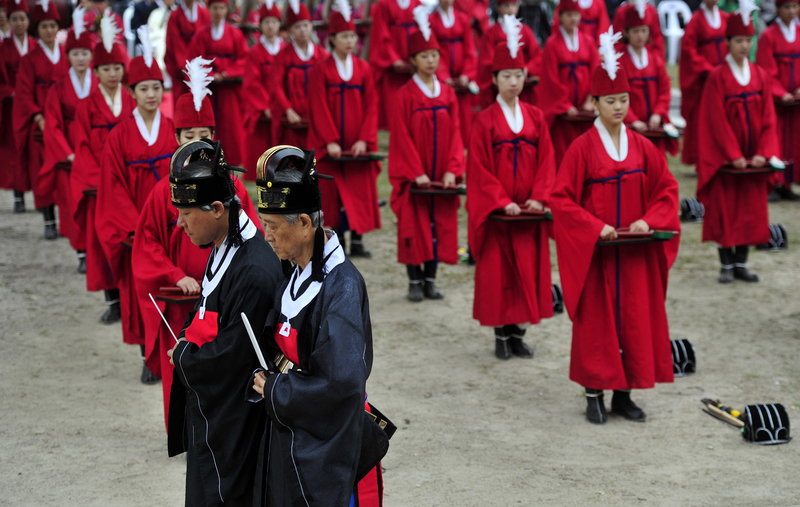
<point>478,13</point>
<point>594,18</point>
<point>182,24</point>
<point>343,117</point>
<point>649,15</point>
<point>778,54</point>
<point>569,58</point>
<point>392,27</point>
<point>497,35</point>
<point>61,134</point>
<point>426,147</point>
<point>702,49</point>
<point>611,178</point>
<point>45,64</point>
<point>5,28</point>
<point>650,84</point>
<point>135,158</point>
<point>737,127</point>
<point>12,49</point>
<point>255,92</point>
<point>289,81</point>
<point>510,168</point>
<point>96,10</point>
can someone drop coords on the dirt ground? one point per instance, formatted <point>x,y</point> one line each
<point>78,428</point>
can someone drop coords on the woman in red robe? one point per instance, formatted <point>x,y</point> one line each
<point>650,19</point>
<point>778,54</point>
<point>12,49</point>
<point>594,18</point>
<point>39,70</point>
<point>343,117</point>
<point>426,147</point>
<point>459,61</point>
<point>737,124</point>
<point>255,92</point>
<point>531,52</point>
<point>569,58</point>
<point>226,47</point>
<point>182,24</point>
<point>702,49</point>
<point>290,83</point>
<point>136,157</point>
<point>61,134</point>
<point>392,27</point>
<point>511,167</point>
<point>650,84</point>
<point>612,177</point>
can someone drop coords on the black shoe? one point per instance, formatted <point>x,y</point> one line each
<point>502,350</point>
<point>740,271</point>
<point>414,283</point>
<point>726,259</point>
<point>82,263</point>
<point>357,249</point>
<point>518,347</point>
<point>148,377</point>
<point>431,292</point>
<point>50,229</point>
<point>112,314</point>
<point>382,203</point>
<point>774,196</point>
<point>786,194</point>
<point>19,202</point>
<point>595,406</point>
<point>621,404</point>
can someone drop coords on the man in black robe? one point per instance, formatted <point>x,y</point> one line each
<point>208,415</point>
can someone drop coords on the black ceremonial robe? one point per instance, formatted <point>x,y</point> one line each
<point>208,418</point>
<point>313,434</point>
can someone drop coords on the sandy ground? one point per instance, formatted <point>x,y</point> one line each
<point>78,428</point>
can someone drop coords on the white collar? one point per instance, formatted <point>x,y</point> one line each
<point>303,56</point>
<point>55,55</point>
<point>403,4</point>
<point>190,15</point>
<point>448,18</point>
<point>290,307</point>
<point>639,63</point>
<point>573,43</point>
<point>608,144</point>
<point>584,4</point>
<point>741,74</point>
<point>437,88</point>
<point>515,120</point>
<point>6,34</point>
<point>81,90</point>
<point>789,32</point>
<point>114,104</point>
<point>22,48</point>
<point>344,68</point>
<point>272,49</point>
<point>152,136</point>
<point>712,17</point>
<point>218,31</point>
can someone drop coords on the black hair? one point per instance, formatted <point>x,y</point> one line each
<point>178,131</point>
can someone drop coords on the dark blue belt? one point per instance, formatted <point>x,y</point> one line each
<point>152,163</point>
<point>744,97</point>
<point>515,142</point>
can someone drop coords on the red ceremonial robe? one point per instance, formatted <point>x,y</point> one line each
<point>512,260</point>
<point>650,19</point>
<point>59,143</point>
<point>476,11</point>
<point>36,75</point>
<point>650,93</point>
<point>532,54</point>
<point>458,58</point>
<point>566,81</point>
<point>615,294</point>
<point>392,28</point>
<point>702,49</point>
<point>131,168</point>
<point>426,139</point>
<point>163,255</point>
<point>735,121</point>
<point>12,159</point>
<point>780,59</point>
<point>179,35</point>
<point>594,20</point>
<point>289,87</point>
<point>344,112</point>
<point>255,99</point>
<point>94,121</point>
<point>228,55</point>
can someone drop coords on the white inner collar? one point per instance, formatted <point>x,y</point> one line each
<point>741,74</point>
<point>608,144</point>
<point>403,4</point>
<point>190,15</point>
<point>82,90</point>
<point>573,43</point>
<point>584,4</point>
<point>217,32</point>
<point>114,104</point>
<point>448,17</point>
<point>344,68</point>
<point>513,118</point>
<point>789,32</point>
<point>150,136</point>
<point>23,46</point>
<point>290,307</point>
<point>300,54</point>
<point>55,55</point>
<point>6,34</point>
<point>712,17</point>
<point>437,88</point>
<point>273,48</point>
<point>639,63</point>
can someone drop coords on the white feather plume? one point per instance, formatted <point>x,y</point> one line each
<point>343,6</point>
<point>198,72</point>
<point>512,27</point>
<point>17,2</point>
<point>745,8</point>
<point>78,22</point>
<point>109,30</point>
<point>44,4</point>
<point>640,6</point>
<point>147,48</point>
<point>421,17</point>
<point>269,4</point>
<point>608,54</point>
<point>295,6</point>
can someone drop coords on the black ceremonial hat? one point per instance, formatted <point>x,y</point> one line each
<point>190,191</point>
<point>282,197</point>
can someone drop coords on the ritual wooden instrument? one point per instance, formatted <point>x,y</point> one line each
<point>175,295</point>
<point>768,168</point>
<point>302,124</point>
<point>438,188</point>
<point>626,237</point>
<point>64,165</point>
<point>347,156</point>
<point>90,191</point>
<point>580,117</point>
<point>524,216</point>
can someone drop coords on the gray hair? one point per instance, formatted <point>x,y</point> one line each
<point>293,175</point>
